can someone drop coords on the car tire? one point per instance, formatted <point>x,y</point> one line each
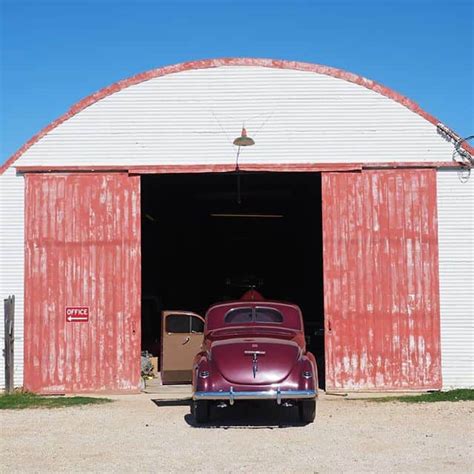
<point>307,410</point>
<point>201,411</point>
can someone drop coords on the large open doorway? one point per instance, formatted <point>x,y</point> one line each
<point>205,236</point>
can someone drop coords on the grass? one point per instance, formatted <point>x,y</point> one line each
<point>457,395</point>
<point>22,400</point>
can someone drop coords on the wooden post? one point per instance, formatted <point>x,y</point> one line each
<point>9,306</point>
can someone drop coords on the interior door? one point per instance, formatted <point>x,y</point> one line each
<point>381,288</point>
<point>182,338</point>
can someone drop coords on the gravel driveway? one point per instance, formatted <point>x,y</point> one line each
<point>134,434</point>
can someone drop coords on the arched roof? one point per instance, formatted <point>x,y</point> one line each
<point>215,63</point>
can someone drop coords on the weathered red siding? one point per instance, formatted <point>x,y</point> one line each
<point>82,249</point>
<point>381,280</point>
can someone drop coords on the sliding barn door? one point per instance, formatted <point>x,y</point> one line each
<point>381,289</point>
<point>82,283</point>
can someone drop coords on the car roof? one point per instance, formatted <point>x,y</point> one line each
<point>215,315</point>
<point>247,303</point>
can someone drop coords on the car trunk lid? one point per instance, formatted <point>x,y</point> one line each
<point>254,361</point>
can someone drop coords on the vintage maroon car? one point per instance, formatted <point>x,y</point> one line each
<point>254,350</point>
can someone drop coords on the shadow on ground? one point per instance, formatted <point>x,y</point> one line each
<point>181,402</point>
<point>242,415</point>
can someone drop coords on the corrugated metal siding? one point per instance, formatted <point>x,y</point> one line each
<point>456,274</point>
<point>191,117</point>
<point>11,262</point>
<point>381,280</point>
<point>82,249</point>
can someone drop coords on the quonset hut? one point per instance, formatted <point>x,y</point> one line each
<point>352,203</point>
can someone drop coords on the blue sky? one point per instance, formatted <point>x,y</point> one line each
<point>53,53</point>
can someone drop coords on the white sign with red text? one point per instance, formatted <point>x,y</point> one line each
<point>77,314</point>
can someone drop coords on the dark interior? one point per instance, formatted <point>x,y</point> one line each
<point>208,237</point>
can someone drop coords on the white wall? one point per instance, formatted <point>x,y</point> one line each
<point>456,268</point>
<point>12,263</point>
<point>191,117</point>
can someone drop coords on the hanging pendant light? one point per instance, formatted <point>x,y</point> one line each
<point>244,140</point>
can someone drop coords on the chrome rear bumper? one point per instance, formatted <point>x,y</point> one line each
<point>277,395</point>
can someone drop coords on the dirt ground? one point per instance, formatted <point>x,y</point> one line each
<point>134,434</point>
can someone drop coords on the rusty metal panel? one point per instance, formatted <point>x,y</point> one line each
<point>82,250</point>
<point>381,280</point>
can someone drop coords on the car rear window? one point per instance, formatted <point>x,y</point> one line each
<point>253,315</point>
<point>268,315</point>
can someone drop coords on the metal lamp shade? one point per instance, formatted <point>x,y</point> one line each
<point>244,140</point>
